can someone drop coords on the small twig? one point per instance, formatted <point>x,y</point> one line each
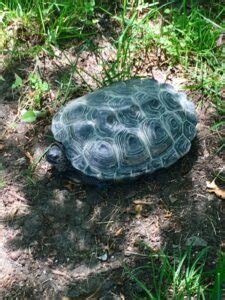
<point>104,222</point>
<point>142,202</point>
<point>92,296</point>
<point>14,194</point>
<point>128,253</point>
<point>57,272</point>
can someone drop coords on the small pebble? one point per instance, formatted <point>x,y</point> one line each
<point>196,242</point>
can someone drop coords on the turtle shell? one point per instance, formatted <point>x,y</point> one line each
<point>126,129</point>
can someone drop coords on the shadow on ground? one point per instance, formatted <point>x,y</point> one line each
<point>65,231</point>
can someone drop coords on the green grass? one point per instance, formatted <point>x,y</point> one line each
<point>186,34</point>
<point>49,21</point>
<point>2,175</point>
<point>218,289</point>
<point>180,276</point>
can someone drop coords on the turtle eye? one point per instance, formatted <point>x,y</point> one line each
<point>53,155</point>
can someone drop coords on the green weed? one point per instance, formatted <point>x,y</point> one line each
<point>49,21</point>
<point>2,183</point>
<point>218,289</point>
<point>133,38</point>
<point>33,92</point>
<point>66,88</point>
<point>172,277</point>
<point>2,173</point>
<point>187,35</point>
<point>184,276</point>
<point>184,33</point>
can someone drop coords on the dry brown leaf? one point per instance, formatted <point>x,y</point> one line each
<point>213,188</point>
<point>222,244</point>
<point>138,210</point>
<point>70,186</point>
<point>168,214</point>
<point>119,232</point>
<point>2,146</point>
<point>122,297</point>
<point>29,156</point>
<point>221,40</point>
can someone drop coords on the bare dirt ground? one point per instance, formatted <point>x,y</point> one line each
<point>61,239</point>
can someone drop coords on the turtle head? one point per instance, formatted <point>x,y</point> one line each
<point>56,156</point>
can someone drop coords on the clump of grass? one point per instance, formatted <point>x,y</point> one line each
<point>191,39</point>
<point>33,94</point>
<point>133,19</point>
<point>218,289</point>
<point>172,277</point>
<point>53,22</point>
<point>183,276</point>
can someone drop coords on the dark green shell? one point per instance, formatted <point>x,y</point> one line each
<point>127,129</point>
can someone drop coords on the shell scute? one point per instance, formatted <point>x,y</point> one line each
<point>182,145</point>
<point>106,122</point>
<point>169,99</point>
<point>153,107</point>
<point>169,158</point>
<point>118,102</point>
<point>131,149</point>
<point>158,138</point>
<point>100,153</point>
<point>189,130</point>
<point>74,113</point>
<point>81,131</point>
<point>131,116</point>
<point>174,125</point>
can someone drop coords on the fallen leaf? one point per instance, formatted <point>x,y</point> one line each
<point>119,232</point>
<point>29,156</point>
<point>213,188</point>
<point>138,210</point>
<point>168,214</point>
<point>221,40</point>
<point>15,194</point>
<point>122,297</point>
<point>15,211</point>
<point>2,146</point>
<point>70,186</point>
<point>222,244</point>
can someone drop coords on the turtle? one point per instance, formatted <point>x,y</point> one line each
<point>122,131</point>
